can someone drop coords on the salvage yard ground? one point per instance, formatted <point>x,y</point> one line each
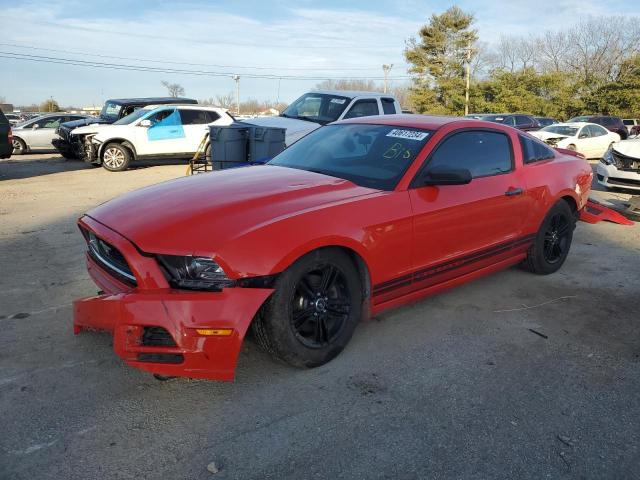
<point>510,376</point>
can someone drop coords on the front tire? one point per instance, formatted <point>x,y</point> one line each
<point>314,310</point>
<point>115,157</point>
<point>19,147</point>
<point>553,241</point>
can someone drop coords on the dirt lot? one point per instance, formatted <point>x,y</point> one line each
<point>455,386</point>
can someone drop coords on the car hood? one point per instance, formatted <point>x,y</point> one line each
<point>295,129</point>
<point>548,135</point>
<point>92,128</point>
<point>200,214</point>
<point>628,148</point>
<point>86,121</point>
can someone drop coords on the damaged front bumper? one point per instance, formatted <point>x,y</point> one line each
<point>163,330</point>
<point>612,177</point>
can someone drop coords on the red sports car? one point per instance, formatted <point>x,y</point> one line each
<point>358,216</point>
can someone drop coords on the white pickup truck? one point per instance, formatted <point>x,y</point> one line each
<point>317,108</point>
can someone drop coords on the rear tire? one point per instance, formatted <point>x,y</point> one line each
<point>19,147</point>
<point>314,310</point>
<point>115,157</point>
<point>553,241</point>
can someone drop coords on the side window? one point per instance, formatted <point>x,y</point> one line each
<point>533,151</point>
<point>483,153</point>
<point>211,116</point>
<point>596,131</point>
<point>363,108</point>
<point>388,106</point>
<point>510,121</point>
<point>194,117</point>
<point>50,122</point>
<point>585,132</point>
<point>522,120</point>
<point>158,117</point>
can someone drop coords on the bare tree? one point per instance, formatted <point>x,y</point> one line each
<point>174,89</point>
<point>226,101</point>
<point>350,84</point>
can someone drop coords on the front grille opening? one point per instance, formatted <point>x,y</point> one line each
<point>157,337</point>
<point>161,357</point>
<point>109,257</point>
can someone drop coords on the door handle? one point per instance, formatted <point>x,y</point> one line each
<point>514,191</point>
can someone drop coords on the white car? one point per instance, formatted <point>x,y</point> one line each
<point>38,133</point>
<point>620,166</point>
<point>317,108</point>
<point>589,139</point>
<point>152,132</point>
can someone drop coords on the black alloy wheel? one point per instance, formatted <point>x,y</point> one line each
<point>320,306</point>
<point>556,238</point>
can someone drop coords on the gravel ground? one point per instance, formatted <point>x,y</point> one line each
<point>454,386</point>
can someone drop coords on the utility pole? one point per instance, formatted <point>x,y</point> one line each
<point>237,80</point>
<point>386,69</point>
<point>468,80</point>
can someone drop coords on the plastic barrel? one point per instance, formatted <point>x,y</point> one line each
<point>229,146</point>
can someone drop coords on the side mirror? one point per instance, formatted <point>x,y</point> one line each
<point>444,175</point>
<point>145,123</point>
<point>35,126</point>
<point>583,135</point>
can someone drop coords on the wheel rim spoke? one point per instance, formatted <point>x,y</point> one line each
<point>300,317</point>
<point>328,277</point>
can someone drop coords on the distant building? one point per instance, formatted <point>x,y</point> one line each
<point>6,107</point>
<point>93,110</point>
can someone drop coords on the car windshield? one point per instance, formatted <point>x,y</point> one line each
<point>494,118</point>
<point>578,119</point>
<point>374,156</point>
<point>317,107</point>
<point>110,111</point>
<point>561,130</point>
<point>141,112</point>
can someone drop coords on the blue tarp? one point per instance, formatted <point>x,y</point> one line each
<point>168,128</point>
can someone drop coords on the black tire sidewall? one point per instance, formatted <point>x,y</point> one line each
<point>282,338</point>
<point>538,262</point>
<point>125,151</point>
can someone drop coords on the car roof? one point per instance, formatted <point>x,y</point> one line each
<point>153,100</point>
<point>188,106</point>
<point>574,124</point>
<point>427,122</point>
<point>353,93</point>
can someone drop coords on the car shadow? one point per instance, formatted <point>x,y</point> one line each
<point>27,166</point>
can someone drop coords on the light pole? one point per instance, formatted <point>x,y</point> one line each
<point>386,69</point>
<point>468,80</point>
<point>236,78</point>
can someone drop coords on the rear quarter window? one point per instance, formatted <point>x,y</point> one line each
<point>534,151</point>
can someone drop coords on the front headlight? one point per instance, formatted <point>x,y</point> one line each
<point>607,158</point>
<point>194,273</point>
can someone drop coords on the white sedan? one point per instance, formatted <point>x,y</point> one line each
<point>589,139</point>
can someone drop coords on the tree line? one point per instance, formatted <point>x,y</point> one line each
<point>590,67</point>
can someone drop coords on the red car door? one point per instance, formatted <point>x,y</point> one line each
<point>462,228</point>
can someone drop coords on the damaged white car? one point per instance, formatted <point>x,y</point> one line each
<point>589,139</point>
<point>620,166</point>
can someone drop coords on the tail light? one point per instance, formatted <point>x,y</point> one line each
<point>10,136</point>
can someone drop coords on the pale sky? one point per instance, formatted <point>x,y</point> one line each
<point>328,39</point>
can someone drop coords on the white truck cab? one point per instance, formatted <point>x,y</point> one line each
<point>317,108</point>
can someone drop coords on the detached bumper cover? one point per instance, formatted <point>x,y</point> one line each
<point>214,357</point>
<point>126,310</point>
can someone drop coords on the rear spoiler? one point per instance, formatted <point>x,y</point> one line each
<point>594,212</point>
<point>566,151</point>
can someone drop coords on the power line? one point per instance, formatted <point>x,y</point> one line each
<point>143,68</point>
<point>253,67</point>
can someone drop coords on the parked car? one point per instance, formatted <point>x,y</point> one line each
<point>588,139</point>
<point>613,124</point>
<point>317,108</point>
<point>152,132</point>
<point>520,121</point>
<point>630,123</point>
<point>620,166</point>
<point>357,217</point>
<point>72,147</point>
<point>6,137</point>
<point>38,133</point>
<point>14,118</point>
<point>545,121</point>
